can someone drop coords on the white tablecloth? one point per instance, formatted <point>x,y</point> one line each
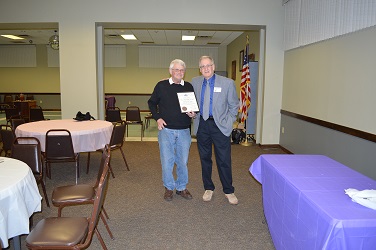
<point>19,198</point>
<point>87,136</point>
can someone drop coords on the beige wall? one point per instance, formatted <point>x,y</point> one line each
<point>79,19</point>
<point>334,80</point>
<point>236,46</point>
<point>40,79</point>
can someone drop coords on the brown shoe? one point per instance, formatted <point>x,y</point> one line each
<point>168,195</point>
<point>185,194</point>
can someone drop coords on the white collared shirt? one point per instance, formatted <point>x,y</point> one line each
<point>172,82</point>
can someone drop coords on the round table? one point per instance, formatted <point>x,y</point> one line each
<point>87,136</point>
<point>19,199</point>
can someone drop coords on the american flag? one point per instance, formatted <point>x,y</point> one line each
<point>245,86</point>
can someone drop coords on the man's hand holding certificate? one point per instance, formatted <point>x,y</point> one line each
<point>188,102</point>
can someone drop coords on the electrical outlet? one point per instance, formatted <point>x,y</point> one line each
<point>40,101</point>
<point>129,102</point>
<point>283,130</point>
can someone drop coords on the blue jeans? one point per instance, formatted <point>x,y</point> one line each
<point>174,145</point>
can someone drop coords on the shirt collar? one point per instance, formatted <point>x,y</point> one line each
<point>172,82</point>
<point>210,80</point>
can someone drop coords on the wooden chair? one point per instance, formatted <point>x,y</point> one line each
<point>27,149</point>
<point>71,232</point>
<point>116,142</point>
<point>59,149</point>
<point>73,195</point>
<point>133,117</point>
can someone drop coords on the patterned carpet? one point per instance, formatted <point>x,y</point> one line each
<point>141,219</point>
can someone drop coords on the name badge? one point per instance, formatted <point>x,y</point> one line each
<point>217,89</point>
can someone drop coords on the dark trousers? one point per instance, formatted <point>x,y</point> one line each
<point>207,135</point>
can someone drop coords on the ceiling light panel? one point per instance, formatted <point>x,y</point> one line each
<point>129,37</point>
<point>13,37</point>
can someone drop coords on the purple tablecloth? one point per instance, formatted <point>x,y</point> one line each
<point>306,207</point>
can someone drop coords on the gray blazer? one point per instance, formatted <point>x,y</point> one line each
<point>225,103</point>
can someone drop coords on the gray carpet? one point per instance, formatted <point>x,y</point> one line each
<point>141,219</point>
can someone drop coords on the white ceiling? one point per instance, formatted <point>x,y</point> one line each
<point>144,36</point>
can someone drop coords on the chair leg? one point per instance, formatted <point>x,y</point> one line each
<point>48,170</point>
<point>59,209</point>
<point>44,192</point>
<point>77,168</point>
<point>100,239</point>
<point>122,153</point>
<point>112,172</point>
<point>105,213</point>
<point>88,163</point>
<point>107,227</point>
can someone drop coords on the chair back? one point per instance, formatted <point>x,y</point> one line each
<point>8,99</point>
<point>36,113</point>
<point>105,153</point>
<point>7,137</point>
<point>59,146</point>
<point>117,136</point>
<point>29,97</point>
<point>27,149</point>
<point>133,114</point>
<point>15,122</point>
<point>113,114</point>
<point>11,112</point>
<point>99,198</point>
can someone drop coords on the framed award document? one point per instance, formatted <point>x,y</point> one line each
<point>188,102</point>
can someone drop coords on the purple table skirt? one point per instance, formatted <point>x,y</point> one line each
<point>306,207</point>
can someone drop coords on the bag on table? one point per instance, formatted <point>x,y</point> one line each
<point>83,117</point>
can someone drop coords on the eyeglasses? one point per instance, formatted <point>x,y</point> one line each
<point>178,70</point>
<point>205,66</point>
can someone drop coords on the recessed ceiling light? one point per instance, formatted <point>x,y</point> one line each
<point>13,37</point>
<point>187,38</point>
<point>129,37</point>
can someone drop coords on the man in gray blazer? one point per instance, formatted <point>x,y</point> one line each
<point>218,103</point>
